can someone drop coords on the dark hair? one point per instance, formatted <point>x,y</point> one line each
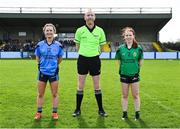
<point>135,44</point>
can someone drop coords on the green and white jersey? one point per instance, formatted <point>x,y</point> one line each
<point>129,59</point>
<point>90,42</point>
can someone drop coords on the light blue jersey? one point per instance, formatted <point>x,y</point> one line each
<point>48,55</point>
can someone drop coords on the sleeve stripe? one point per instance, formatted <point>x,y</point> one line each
<point>102,43</point>
<point>76,41</point>
<point>60,45</point>
<point>36,46</point>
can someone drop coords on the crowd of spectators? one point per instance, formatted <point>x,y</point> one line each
<point>15,45</point>
<point>28,45</point>
<point>68,45</point>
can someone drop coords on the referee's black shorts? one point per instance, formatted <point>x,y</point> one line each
<point>91,65</point>
<point>129,79</point>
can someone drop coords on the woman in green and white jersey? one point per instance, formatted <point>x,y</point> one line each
<point>130,58</point>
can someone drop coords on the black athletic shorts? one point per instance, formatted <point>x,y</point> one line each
<point>129,79</point>
<point>91,65</point>
<point>45,78</point>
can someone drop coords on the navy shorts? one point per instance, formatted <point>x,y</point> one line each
<point>91,65</point>
<point>129,79</point>
<point>45,78</point>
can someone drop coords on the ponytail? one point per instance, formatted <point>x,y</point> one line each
<point>135,44</point>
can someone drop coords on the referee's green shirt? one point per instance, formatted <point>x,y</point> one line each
<point>129,58</point>
<point>90,41</point>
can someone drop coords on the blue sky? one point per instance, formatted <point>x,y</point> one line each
<point>170,31</point>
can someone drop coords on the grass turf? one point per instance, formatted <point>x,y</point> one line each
<point>159,91</point>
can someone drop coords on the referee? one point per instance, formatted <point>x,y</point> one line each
<point>89,39</point>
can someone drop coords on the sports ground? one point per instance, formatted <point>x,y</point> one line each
<point>159,91</point>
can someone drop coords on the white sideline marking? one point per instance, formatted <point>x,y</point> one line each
<point>161,105</point>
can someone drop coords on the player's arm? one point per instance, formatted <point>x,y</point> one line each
<point>77,39</point>
<point>77,47</point>
<point>141,58</point>
<point>141,62</point>
<point>37,59</point>
<point>102,40</point>
<point>60,60</point>
<point>118,62</point>
<point>37,53</point>
<point>118,57</point>
<point>60,54</point>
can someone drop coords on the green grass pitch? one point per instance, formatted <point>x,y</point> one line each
<point>159,91</point>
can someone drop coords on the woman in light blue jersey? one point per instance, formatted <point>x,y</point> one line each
<point>49,55</point>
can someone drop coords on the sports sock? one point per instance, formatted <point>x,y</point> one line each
<point>39,109</point>
<point>54,110</point>
<point>98,96</point>
<point>79,97</point>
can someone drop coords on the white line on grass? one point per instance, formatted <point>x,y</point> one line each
<point>161,105</point>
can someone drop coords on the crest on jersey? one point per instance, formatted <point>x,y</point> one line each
<point>49,49</point>
<point>134,54</point>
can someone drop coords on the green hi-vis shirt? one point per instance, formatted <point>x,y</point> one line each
<point>90,42</point>
<point>129,59</point>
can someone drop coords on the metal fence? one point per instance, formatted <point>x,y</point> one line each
<point>76,10</point>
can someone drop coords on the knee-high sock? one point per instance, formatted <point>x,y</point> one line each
<point>79,97</point>
<point>98,95</point>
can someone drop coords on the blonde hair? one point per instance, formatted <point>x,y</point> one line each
<point>135,44</point>
<point>49,24</point>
